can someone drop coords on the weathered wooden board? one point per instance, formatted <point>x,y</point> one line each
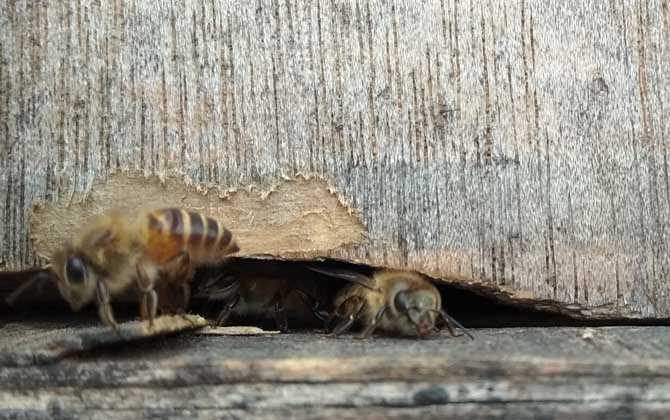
<point>560,373</point>
<point>521,144</point>
<point>25,344</point>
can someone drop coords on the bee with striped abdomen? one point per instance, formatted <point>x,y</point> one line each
<point>397,302</point>
<point>116,250</point>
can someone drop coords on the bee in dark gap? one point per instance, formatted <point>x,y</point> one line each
<point>156,249</point>
<point>261,290</point>
<point>397,302</point>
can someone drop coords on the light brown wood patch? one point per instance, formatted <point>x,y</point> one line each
<point>294,217</point>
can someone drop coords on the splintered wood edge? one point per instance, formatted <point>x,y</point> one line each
<point>301,215</point>
<point>80,340</point>
<point>131,331</point>
<point>234,330</point>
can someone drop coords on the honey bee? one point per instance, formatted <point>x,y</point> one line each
<point>397,302</point>
<point>260,289</point>
<point>115,250</point>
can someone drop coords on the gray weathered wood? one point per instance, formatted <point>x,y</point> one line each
<point>579,373</point>
<point>520,144</point>
<point>28,344</point>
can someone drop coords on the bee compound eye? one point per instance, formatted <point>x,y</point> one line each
<point>400,301</point>
<point>75,271</point>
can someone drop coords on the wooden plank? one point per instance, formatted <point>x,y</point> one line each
<point>583,373</point>
<point>522,411</point>
<point>519,144</point>
<point>29,344</point>
<point>615,352</point>
<point>308,401</point>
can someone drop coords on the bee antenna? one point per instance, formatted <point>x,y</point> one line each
<point>453,323</point>
<point>38,278</point>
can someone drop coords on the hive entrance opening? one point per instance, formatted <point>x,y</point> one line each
<point>473,307</point>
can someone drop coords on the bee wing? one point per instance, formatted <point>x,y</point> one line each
<point>218,288</point>
<point>347,275</point>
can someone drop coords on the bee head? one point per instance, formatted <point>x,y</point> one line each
<point>76,268</point>
<point>77,265</point>
<point>76,279</point>
<point>423,308</point>
<point>420,306</point>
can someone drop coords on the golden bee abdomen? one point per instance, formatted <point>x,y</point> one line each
<point>173,230</point>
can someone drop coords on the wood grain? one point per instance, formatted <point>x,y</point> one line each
<point>300,217</point>
<point>520,144</point>
<point>29,344</point>
<point>514,374</point>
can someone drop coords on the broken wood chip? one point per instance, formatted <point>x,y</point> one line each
<point>50,346</point>
<point>239,330</point>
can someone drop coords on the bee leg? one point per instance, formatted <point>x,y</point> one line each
<point>148,306</point>
<point>182,311</point>
<point>186,289</point>
<point>228,294</point>
<point>349,320</point>
<point>373,323</point>
<point>336,314</point>
<point>180,265</point>
<point>104,307</point>
<point>227,310</point>
<point>280,314</point>
<point>451,330</point>
<point>313,304</point>
<point>329,321</point>
<point>149,303</point>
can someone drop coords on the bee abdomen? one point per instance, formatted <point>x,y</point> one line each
<point>204,237</point>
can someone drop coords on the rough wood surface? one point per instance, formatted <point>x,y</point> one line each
<point>42,343</point>
<point>559,373</point>
<point>517,143</point>
<point>293,218</point>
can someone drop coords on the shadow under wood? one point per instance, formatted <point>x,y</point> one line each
<point>473,308</point>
